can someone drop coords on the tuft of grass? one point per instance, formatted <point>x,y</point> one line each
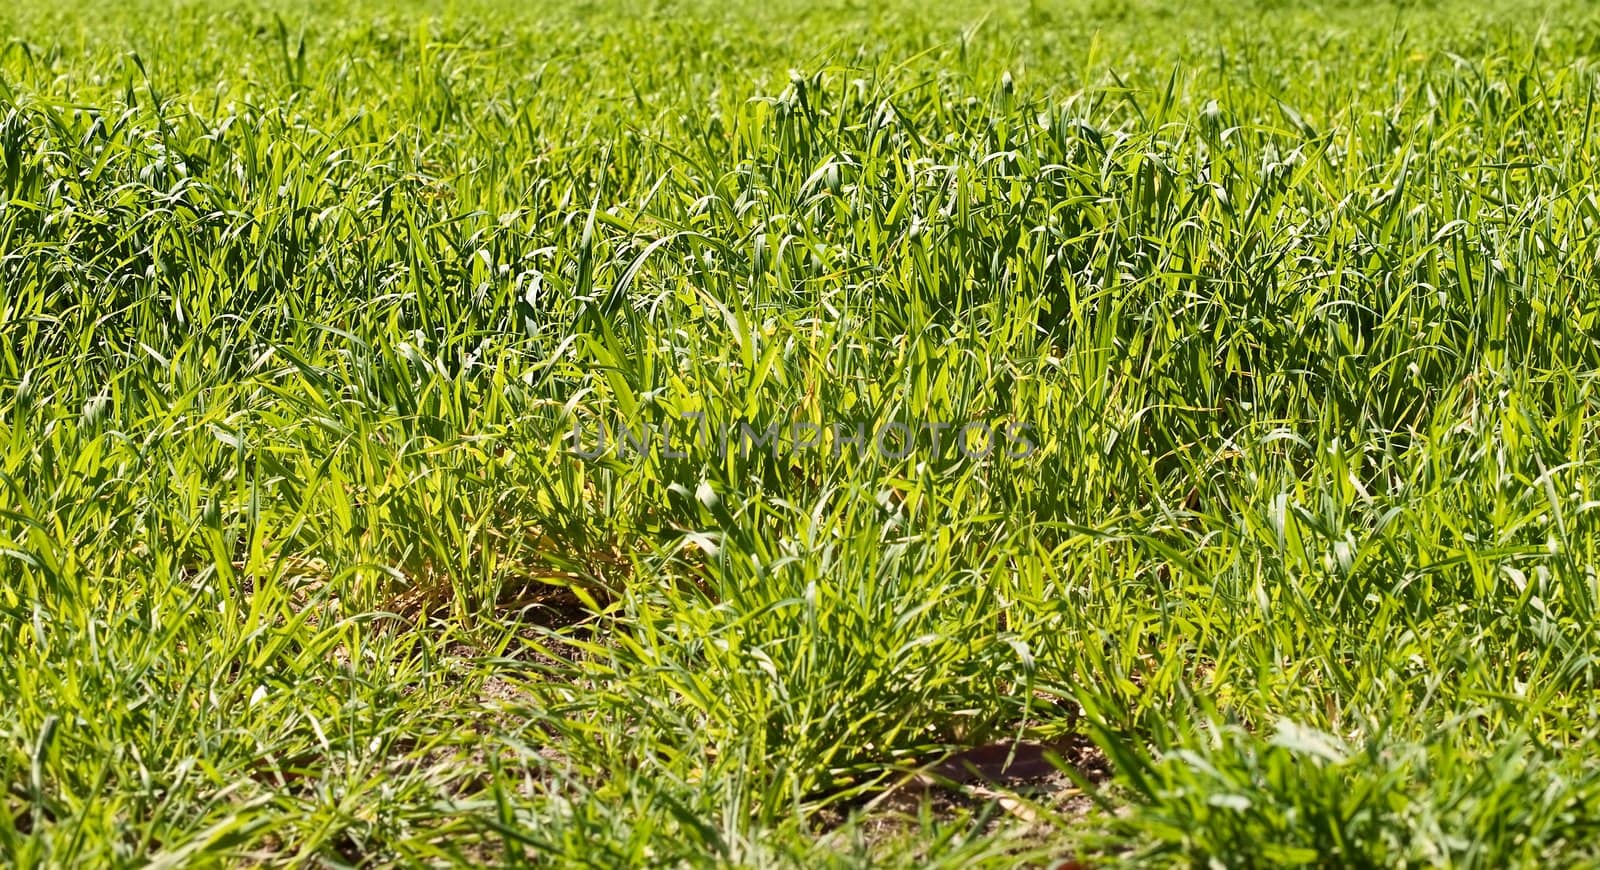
<point>309,318</point>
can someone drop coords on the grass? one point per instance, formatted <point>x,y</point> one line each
<point>300,561</point>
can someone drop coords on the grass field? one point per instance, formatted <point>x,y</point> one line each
<point>310,322</point>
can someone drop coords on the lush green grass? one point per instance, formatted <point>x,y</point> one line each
<point>296,561</point>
